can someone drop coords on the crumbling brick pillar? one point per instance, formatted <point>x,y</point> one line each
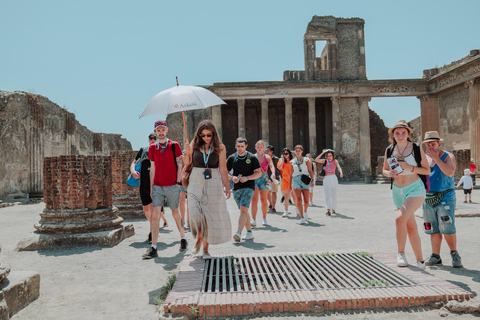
<point>77,195</point>
<point>125,198</point>
<point>429,113</point>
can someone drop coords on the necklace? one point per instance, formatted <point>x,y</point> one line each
<point>163,145</point>
<point>238,157</point>
<point>260,158</point>
<point>401,157</point>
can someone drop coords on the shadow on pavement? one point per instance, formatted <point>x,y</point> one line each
<point>69,251</point>
<point>273,229</point>
<point>253,245</point>
<point>169,263</point>
<point>341,216</point>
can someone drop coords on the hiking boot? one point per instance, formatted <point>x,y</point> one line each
<point>236,237</point>
<point>285,214</point>
<point>248,236</point>
<point>456,259</point>
<point>431,261</point>
<point>183,245</point>
<point>149,238</point>
<point>151,253</point>
<point>302,221</point>
<point>253,223</point>
<point>401,260</point>
<point>420,265</point>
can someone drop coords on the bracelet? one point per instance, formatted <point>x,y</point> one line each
<point>413,168</point>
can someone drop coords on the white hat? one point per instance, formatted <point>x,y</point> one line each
<point>467,171</point>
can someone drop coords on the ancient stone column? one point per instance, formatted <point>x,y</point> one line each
<point>333,50</point>
<point>430,118</point>
<point>336,124</point>
<point>310,58</point>
<point>365,161</point>
<point>312,126</point>
<point>78,205</point>
<point>241,117</point>
<point>125,198</point>
<point>217,119</point>
<point>288,123</point>
<point>265,131</point>
<point>474,111</point>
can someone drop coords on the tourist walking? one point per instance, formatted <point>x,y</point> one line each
<point>274,179</point>
<point>473,169</point>
<point>246,169</point>
<point>144,176</point>
<point>330,181</point>
<point>165,180</point>
<point>314,169</point>
<point>467,182</point>
<point>262,184</point>
<point>404,161</point>
<point>285,167</point>
<point>302,180</point>
<point>439,208</point>
<point>209,218</point>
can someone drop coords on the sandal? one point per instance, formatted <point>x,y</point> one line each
<point>333,211</point>
<point>165,224</point>
<point>328,214</point>
<point>206,255</point>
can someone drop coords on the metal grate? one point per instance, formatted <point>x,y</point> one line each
<point>299,272</point>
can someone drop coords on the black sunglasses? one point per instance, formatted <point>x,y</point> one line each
<point>286,154</point>
<point>209,135</point>
<point>152,138</point>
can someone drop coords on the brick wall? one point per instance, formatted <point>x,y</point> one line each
<point>121,161</point>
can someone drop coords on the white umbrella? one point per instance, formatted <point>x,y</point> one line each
<point>181,98</point>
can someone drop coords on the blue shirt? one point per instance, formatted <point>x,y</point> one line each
<point>439,181</point>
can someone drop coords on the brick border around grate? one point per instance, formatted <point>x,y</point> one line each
<point>186,296</point>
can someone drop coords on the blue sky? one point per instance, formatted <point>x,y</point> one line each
<point>104,60</point>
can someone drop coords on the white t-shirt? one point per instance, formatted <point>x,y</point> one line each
<point>467,182</point>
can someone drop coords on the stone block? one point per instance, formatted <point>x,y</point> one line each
<point>21,288</point>
<point>107,238</point>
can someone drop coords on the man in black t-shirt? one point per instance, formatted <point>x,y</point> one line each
<point>144,176</point>
<point>246,169</point>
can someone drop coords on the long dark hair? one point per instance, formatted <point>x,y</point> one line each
<point>198,142</point>
<point>289,151</point>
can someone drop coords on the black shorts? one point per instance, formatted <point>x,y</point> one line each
<point>467,191</point>
<point>145,194</point>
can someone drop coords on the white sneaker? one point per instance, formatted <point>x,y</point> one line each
<point>311,203</point>
<point>253,223</point>
<point>298,212</point>
<point>302,221</point>
<point>236,237</point>
<point>420,265</point>
<point>401,260</point>
<point>248,236</point>
<point>305,215</point>
<point>264,222</point>
<point>285,214</point>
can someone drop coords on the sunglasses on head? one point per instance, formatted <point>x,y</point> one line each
<point>208,135</point>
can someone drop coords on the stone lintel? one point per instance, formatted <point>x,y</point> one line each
<point>107,238</point>
<point>21,288</point>
<point>455,76</point>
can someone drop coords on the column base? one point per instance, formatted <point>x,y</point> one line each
<point>18,291</point>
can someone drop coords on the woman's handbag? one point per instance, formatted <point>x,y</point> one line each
<point>322,173</point>
<point>186,175</point>
<point>434,198</point>
<point>131,181</point>
<point>306,179</point>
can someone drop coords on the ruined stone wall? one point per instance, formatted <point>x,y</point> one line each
<point>378,139</point>
<point>121,161</point>
<point>349,155</point>
<point>33,127</point>
<point>348,50</point>
<point>454,121</point>
<point>192,119</point>
<point>416,125</point>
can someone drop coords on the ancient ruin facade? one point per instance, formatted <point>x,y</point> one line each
<point>33,127</point>
<point>327,104</point>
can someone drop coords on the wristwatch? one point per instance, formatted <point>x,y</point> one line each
<point>179,183</point>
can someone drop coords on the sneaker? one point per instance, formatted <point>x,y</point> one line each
<point>401,260</point>
<point>456,259</point>
<point>420,265</point>
<point>273,210</point>
<point>165,224</point>
<point>431,261</point>
<point>206,255</point>
<point>236,237</point>
<point>270,207</point>
<point>149,238</point>
<point>298,212</point>
<point>253,223</point>
<point>264,222</point>
<point>328,214</point>
<point>302,221</point>
<point>470,201</point>
<point>333,211</point>
<point>285,214</point>
<point>311,203</point>
<point>248,236</point>
<point>183,244</point>
<point>305,215</point>
<point>151,253</point>
<point>283,199</point>
<point>465,201</point>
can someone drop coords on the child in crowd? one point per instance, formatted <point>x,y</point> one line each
<point>467,184</point>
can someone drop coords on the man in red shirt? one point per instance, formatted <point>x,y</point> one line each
<point>165,179</point>
<point>473,169</point>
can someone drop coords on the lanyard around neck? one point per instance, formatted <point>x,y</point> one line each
<point>164,145</point>
<point>205,160</point>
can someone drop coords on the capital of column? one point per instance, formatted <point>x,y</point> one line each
<point>288,100</point>
<point>364,99</point>
<point>241,102</point>
<point>311,100</point>
<point>264,101</point>
<point>425,97</point>
<point>471,82</point>
<point>335,99</point>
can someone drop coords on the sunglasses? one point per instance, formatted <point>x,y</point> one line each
<point>152,138</point>
<point>286,154</point>
<point>209,135</point>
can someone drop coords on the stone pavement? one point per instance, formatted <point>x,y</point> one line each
<point>105,283</point>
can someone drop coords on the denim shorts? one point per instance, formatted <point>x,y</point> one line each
<point>439,218</point>
<point>171,193</point>
<point>262,183</point>
<point>243,197</point>
<point>414,189</point>
<point>298,183</point>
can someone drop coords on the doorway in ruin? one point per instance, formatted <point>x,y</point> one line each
<point>230,125</point>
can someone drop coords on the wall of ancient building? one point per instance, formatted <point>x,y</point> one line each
<point>454,121</point>
<point>350,134</point>
<point>416,125</point>
<point>192,119</point>
<point>33,127</point>
<point>348,50</point>
<point>378,139</point>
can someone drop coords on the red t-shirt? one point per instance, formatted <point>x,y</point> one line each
<point>473,168</point>
<point>165,168</point>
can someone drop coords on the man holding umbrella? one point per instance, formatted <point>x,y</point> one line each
<point>165,179</point>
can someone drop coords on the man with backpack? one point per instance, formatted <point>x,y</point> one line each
<point>165,180</point>
<point>439,206</point>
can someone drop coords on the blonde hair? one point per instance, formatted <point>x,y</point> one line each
<point>262,142</point>
<point>298,146</point>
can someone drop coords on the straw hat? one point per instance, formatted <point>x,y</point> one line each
<point>432,136</point>
<point>400,124</point>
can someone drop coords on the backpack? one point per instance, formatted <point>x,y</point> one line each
<point>418,158</point>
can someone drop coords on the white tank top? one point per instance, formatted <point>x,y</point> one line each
<point>303,166</point>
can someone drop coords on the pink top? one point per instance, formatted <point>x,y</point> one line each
<point>264,163</point>
<point>330,167</point>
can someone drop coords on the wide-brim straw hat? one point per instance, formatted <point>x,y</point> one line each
<point>400,124</point>
<point>432,136</point>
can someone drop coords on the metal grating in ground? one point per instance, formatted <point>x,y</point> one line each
<point>299,272</point>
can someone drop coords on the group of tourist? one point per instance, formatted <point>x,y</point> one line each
<point>255,177</point>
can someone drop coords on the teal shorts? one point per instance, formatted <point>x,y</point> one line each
<point>414,189</point>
